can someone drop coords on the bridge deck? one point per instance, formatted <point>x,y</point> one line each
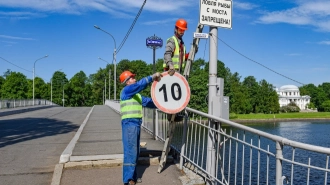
<point>99,146</point>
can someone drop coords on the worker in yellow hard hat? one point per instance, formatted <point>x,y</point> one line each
<point>175,50</point>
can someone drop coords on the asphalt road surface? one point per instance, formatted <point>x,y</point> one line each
<point>31,143</point>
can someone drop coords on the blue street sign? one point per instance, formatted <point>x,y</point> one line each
<point>154,42</point>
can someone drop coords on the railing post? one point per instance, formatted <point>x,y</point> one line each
<point>156,120</point>
<point>184,140</point>
<point>279,157</point>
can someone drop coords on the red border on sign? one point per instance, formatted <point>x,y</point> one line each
<point>171,111</point>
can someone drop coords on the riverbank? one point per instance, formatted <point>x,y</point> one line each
<point>278,119</point>
<point>299,116</point>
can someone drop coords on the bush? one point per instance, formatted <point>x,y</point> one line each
<point>233,116</point>
<point>291,107</point>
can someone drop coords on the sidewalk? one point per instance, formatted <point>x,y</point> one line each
<point>96,156</point>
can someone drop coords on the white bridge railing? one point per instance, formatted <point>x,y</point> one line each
<point>12,103</point>
<point>239,154</point>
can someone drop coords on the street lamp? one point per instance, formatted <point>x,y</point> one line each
<point>114,60</point>
<point>109,74</point>
<point>34,73</point>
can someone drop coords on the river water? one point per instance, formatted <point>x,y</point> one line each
<point>309,132</point>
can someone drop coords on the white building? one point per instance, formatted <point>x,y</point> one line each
<point>291,93</point>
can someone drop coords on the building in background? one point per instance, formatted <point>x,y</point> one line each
<point>291,93</point>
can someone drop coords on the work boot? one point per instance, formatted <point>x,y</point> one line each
<point>131,182</point>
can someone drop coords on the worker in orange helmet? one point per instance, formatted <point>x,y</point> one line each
<point>131,103</point>
<point>175,51</point>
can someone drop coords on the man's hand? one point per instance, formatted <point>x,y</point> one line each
<point>157,76</point>
<point>171,69</point>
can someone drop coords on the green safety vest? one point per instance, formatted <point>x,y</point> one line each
<point>131,108</point>
<point>176,55</point>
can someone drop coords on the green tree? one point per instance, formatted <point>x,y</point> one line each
<point>15,86</point>
<point>325,106</point>
<point>7,73</point>
<point>40,88</point>
<point>267,99</point>
<point>326,88</point>
<point>198,80</point>
<point>252,88</point>
<point>2,81</point>
<point>79,93</point>
<point>58,81</point>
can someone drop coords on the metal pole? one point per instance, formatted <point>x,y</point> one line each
<point>114,75</point>
<point>210,161</point>
<point>114,60</point>
<point>51,91</point>
<point>34,65</point>
<point>33,83</point>
<point>63,93</point>
<point>154,110</point>
<point>109,80</point>
<point>105,89</point>
<point>279,156</point>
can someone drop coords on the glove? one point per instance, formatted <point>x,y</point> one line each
<point>171,69</point>
<point>157,76</point>
<point>186,56</point>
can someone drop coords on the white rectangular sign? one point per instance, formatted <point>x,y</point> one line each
<point>201,35</point>
<point>216,13</point>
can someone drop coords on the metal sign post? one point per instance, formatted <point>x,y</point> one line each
<point>154,43</point>
<point>215,14</point>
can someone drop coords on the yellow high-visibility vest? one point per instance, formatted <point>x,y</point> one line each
<point>176,55</point>
<point>131,108</point>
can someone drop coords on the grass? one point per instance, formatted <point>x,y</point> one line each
<point>282,115</point>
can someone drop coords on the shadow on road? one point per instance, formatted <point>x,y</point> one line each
<point>19,130</point>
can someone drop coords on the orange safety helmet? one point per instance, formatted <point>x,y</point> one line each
<point>182,24</point>
<point>124,76</point>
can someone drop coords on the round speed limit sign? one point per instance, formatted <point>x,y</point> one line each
<point>171,94</point>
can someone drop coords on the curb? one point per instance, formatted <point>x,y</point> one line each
<point>57,175</point>
<point>65,157</point>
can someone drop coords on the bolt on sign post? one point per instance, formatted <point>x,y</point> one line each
<point>154,43</point>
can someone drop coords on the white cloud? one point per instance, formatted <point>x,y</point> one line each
<point>15,38</point>
<point>294,54</point>
<point>311,13</point>
<point>244,6</point>
<point>122,8</point>
<point>325,42</point>
<point>9,42</point>
<point>160,22</point>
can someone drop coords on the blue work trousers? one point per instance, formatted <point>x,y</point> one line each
<point>131,143</point>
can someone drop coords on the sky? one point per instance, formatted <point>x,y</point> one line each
<point>269,39</point>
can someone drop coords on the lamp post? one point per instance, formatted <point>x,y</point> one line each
<point>34,74</point>
<point>63,94</point>
<point>109,74</point>
<point>114,61</point>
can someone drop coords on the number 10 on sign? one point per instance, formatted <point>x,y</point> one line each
<point>171,94</point>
